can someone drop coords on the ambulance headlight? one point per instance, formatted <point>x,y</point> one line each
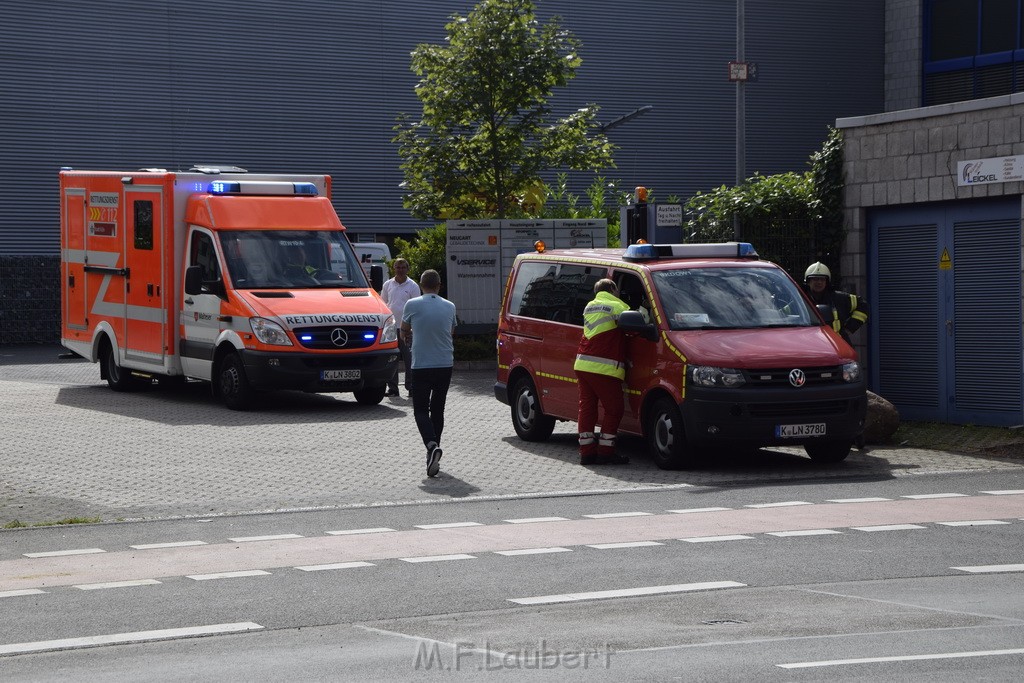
<point>707,376</point>
<point>269,332</point>
<point>390,332</point>
<point>851,372</point>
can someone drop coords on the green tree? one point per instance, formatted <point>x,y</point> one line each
<point>487,132</point>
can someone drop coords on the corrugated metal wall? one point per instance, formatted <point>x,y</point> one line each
<point>315,87</point>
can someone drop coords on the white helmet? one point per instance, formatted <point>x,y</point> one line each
<point>818,269</point>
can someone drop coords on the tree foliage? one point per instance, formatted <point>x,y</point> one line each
<point>487,132</point>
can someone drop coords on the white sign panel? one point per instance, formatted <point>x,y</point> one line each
<point>987,171</point>
<point>669,216</point>
<point>474,278</point>
<point>580,233</point>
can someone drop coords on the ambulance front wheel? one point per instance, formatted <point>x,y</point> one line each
<point>118,378</point>
<point>531,424</point>
<point>370,396</point>
<point>665,436</point>
<point>233,385</point>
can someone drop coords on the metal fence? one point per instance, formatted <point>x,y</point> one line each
<point>29,299</point>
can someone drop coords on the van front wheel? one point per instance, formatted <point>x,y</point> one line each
<point>530,423</point>
<point>665,435</point>
<point>828,451</point>
<point>234,386</point>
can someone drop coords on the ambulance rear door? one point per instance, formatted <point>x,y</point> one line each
<point>146,324</point>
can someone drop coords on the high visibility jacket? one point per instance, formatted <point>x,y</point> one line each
<point>602,349</point>
<point>849,311</point>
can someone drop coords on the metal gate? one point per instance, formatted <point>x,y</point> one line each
<point>945,330</point>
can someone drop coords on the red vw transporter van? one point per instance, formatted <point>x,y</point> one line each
<point>734,356</point>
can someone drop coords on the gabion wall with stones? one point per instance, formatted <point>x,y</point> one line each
<point>29,299</point>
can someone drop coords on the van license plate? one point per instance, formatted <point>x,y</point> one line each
<point>800,430</point>
<point>338,375</point>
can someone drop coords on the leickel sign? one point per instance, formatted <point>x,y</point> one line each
<point>985,171</point>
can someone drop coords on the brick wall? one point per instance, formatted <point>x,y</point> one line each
<point>29,299</point>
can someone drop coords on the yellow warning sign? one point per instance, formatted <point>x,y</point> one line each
<point>945,263</point>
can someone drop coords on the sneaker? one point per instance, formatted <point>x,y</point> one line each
<point>434,462</point>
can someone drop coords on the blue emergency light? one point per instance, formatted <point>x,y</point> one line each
<point>263,187</point>
<point>651,252</point>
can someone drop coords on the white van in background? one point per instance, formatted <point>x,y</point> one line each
<point>373,253</point>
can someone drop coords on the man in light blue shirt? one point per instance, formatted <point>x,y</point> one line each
<point>428,325</point>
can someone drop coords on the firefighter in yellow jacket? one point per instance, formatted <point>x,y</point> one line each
<point>600,370</point>
<point>849,311</point>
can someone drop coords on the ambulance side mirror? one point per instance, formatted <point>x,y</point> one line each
<point>377,277</point>
<point>633,322</point>
<point>825,311</point>
<point>194,280</point>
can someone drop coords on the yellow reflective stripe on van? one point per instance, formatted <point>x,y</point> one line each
<point>560,378</point>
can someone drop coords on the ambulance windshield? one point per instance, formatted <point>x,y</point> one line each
<point>290,259</point>
<point>731,298</point>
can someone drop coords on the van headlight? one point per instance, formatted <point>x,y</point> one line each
<point>269,332</point>
<point>851,372</point>
<point>707,376</point>
<point>390,332</point>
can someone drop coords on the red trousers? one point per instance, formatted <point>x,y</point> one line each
<point>607,391</point>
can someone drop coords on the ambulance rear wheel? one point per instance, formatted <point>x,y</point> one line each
<point>118,378</point>
<point>370,396</point>
<point>665,436</point>
<point>531,424</point>
<point>233,385</point>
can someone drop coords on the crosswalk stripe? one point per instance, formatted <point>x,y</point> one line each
<point>625,592</point>
<point>133,637</point>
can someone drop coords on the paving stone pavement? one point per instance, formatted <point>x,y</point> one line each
<point>71,448</point>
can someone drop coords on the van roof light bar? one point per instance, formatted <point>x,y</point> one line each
<point>654,252</point>
<point>261,187</point>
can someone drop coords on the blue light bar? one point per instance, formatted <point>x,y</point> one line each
<point>306,337</point>
<point>224,187</point>
<point>369,336</point>
<point>649,252</point>
<point>305,188</point>
<point>262,187</point>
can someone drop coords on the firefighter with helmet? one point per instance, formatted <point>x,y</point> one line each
<point>849,311</point>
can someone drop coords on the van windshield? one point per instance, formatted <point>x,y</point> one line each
<point>290,259</point>
<point>731,298</point>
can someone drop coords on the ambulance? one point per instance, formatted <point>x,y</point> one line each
<point>246,281</point>
<point>725,351</point>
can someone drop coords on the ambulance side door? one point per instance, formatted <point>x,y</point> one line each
<point>146,318</point>
<point>200,313</point>
<point>641,354</point>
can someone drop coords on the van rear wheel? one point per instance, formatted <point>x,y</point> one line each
<point>234,386</point>
<point>531,424</point>
<point>828,451</point>
<point>118,378</point>
<point>665,436</point>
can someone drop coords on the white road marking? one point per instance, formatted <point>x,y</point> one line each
<point>115,584</point>
<point>336,565</point>
<point>275,537</point>
<point>625,592</point>
<point>174,544</point>
<point>437,558</point>
<point>610,515</point>
<point>904,658</point>
<point>25,591</point>
<point>532,551</point>
<point>683,512</point>
<point>804,532</point>
<point>779,505</point>
<point>135,637</point>
<point>992,568</point>
<point>229,575</point>
<point>59,553</point>
<point>889,527</point>
<point>347,532</point>
<point>1004,493</point>
<point>448,525</point>
<point>858,500</point>
<point>629,544</point>
<point>712,539</point>
<point>531,520</point>
<point>925,496</point>
<point>974,522</point>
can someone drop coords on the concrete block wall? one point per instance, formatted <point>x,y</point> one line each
<point>903,38</point>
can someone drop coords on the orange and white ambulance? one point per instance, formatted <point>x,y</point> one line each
<point>246,281</point>
<point>723,350</point>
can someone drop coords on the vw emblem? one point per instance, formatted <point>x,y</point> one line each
<point>797,377</point>
<point>339,337</point>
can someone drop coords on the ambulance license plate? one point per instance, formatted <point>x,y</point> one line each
<point>339,375</point>
<point>786,431</point>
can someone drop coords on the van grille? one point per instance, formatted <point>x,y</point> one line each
<point>802,409</point>
<point>777,377</point>
<point>354,337</point>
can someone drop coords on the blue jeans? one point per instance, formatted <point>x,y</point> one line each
<point>429,393</point>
